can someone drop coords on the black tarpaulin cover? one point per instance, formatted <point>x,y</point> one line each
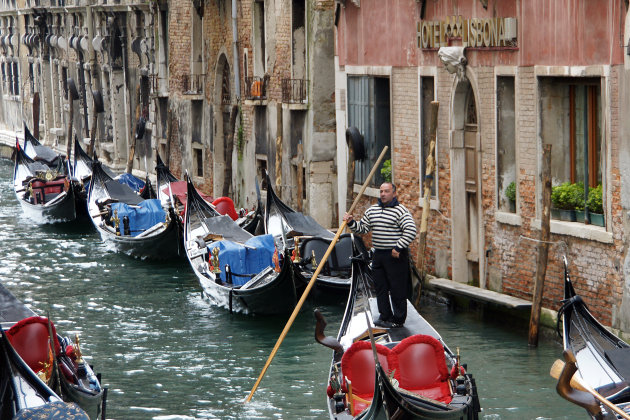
<point>122,192</point>
<point>306,226</point>
<point>226,227</point>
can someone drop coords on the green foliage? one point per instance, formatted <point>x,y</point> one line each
<point>510,191</point>
<point>594,202</point>
<point>386,171</point>
<point>568,196</point>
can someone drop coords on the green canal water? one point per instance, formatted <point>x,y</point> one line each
<point>165,353</point>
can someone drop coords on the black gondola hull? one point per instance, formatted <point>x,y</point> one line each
<point>273,293</point>
<point>61,211</point>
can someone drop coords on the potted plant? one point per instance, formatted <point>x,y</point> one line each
<point>595,205</point>
<point>510,194</point>
<point>563,201</point>
<point>386,171</point>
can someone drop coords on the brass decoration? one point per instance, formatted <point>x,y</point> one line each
<point>77,349</point>
<point>216,268</point>
<point>116,221</point>
<point>296,243</point>
<point>313,260</point>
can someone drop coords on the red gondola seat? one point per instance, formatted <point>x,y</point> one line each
<point>31,341</point>
<point>225,206</point>
<point>357,366</point>
<point>420,367</point>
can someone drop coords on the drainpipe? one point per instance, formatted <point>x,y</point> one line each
<point>237,76</point>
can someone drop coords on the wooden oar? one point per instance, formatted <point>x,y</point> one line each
<point>310,284</point>
<point>579,384</point>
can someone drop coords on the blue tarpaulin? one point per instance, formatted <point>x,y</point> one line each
<point>135,183</point>
<point>250,259</point>
<point>141,217</point>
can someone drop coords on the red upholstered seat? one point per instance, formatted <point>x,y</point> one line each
<point>225,206</point>
<point>420,367</point>
<point>357,365</point>
<point>31,341</point>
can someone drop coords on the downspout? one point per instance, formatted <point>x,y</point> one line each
<point>237,76</point>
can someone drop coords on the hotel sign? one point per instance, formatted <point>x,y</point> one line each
<point>474,32</point>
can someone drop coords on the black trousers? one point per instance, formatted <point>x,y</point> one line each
<point>391,276</point>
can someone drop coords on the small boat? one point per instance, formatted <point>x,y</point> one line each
<point>43,186</point>
<point>236,270</point>
<point>395,373</point>
<point>290,227</point>
<point>39,375</point>
<point>130,224</point>
<point>602,358</point>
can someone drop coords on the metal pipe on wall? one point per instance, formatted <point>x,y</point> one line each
<point>237,76</point>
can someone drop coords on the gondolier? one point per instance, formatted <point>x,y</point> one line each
<point>393,230</point>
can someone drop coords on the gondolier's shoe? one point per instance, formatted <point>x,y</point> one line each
<point>385,323</point>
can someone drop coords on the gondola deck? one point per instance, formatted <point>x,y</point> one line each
<point>602,358</point>
<point>407,382</point>
<point>26,328</point>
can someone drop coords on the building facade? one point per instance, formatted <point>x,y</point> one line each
<point>226,89</point>
<point>510,77</point>
<point>251,87</point>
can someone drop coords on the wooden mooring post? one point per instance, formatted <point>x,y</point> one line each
<point>428,182</point>
<point>543,247</point>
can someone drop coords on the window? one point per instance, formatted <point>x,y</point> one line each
<point>198,161</point>
<point>369,112</point>
<point>196,116</point>
<point>259,38</point>
<point>427,93</point>
<point>571,123</point>
<point>506,144</point>
<point>299,39</point>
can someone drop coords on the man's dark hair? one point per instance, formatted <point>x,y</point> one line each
<point>392,184</point>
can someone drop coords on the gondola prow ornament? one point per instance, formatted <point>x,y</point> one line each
<point>216,268</point>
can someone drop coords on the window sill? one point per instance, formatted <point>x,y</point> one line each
<point>434,203</point>
<point>369,191</point>
<point>255,102</point>
<point>578,230</point>
<point>506,218</point>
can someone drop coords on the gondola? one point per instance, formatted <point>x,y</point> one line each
<point>290,227</point>
<point>128,223</point>
<point>397,373</point>
<point>235,269</point>
<point>602,358</point>
<point>43,187</point>
<point>32,377</point>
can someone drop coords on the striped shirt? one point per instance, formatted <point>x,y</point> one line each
<point>392,225</point>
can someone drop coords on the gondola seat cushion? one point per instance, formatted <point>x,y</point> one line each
<point>357,366</point>
<point>420,367</point>
<point>31,341</point>
<point>250,259</point>
<point>143,216</point>
<point>225,206</point>
<point>131,181</point>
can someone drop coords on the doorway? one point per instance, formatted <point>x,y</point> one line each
<point>466,187</point>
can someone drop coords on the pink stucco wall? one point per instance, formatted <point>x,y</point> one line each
<point>550,32</point>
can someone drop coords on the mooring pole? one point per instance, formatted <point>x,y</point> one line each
<point>543,247</point>
<point>428,181</point>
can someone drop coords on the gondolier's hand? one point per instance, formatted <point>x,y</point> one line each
<point>395,253</point>
<point>348,218</point>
